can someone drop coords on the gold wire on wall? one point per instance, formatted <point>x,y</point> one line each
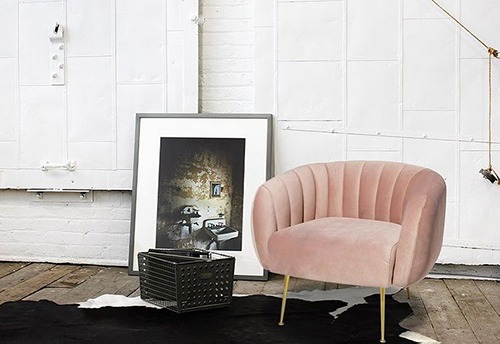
<point>488,173</point>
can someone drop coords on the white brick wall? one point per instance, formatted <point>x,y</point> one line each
<point>226,56</point>
<point>64,228</point>
<point>387,65</point>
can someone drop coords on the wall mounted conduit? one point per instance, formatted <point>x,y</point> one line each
<point>385,133</point>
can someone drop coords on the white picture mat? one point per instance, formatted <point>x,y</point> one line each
<point>152,129</point>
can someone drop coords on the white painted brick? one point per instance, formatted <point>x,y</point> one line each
<point>16,224</point>
<point>226,65</point>
<point>93,155</point>
<point>264,75</point>
<point>315,27</point>
<point>311,90</point>
<point>237,39</point>
<point>90,99</point>
<point>140,41</point>
<point>52,225</point>
<point>228,93</point>
<point>11,251</point>
<point>133,99</point>
<point>481,17</point>
<point>35,22</point>
<point>227,51</point>
<point>426,9</point>
<point>373,95</point>
<point>372,33</point>
<point>226,106</point>
<point>117,252</point>
<point>63,237</point>
<point>105,239</point>
<point>90,27</point>
<point>119,226</point>
<point>175,74</point>
<point>113,199</point>
<point>227,25</point>
<point>42,125</point>
<point>226,57</point>
<point>8,28</point>
<point>61,232</point>
<point>9,102</point>
<point>429,65</point>
<point>437,155</point>
<point>114,214</point>
<point>226,79</point>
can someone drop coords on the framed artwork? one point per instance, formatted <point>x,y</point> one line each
<point>195,177</point>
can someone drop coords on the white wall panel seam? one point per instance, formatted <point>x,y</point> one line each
<point>458,73</point>
<point>18,93</point>
<point>277,114</point>
<point>166,82</point>
<point>345,109</point>
<point>114,164</point>
<point>401,76</point>
<point>65,144</point>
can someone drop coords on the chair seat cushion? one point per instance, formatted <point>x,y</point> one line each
<point>338,250</point>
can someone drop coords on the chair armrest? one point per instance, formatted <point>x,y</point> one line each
<point>421,229</point>
<point>263,223</point>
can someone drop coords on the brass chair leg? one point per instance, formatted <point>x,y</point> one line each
<point>382,315</point>
<point>283,300</point>
<point>408,293</point>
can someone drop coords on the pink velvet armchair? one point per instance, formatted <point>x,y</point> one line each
<point>365,223</point>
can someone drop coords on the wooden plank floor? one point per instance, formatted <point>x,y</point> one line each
<point>448,310</point>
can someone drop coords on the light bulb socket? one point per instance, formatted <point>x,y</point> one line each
<point>489,173</point>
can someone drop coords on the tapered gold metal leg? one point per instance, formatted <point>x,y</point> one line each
<point>283,300</point>
<point>408,293</point>
<point>382,315</point>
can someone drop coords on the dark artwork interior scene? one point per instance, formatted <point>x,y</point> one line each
<point>200,193</point>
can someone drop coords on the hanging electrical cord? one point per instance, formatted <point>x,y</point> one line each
<point>488,173</point>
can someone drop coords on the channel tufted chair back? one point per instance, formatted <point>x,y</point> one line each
<point>367,223</point>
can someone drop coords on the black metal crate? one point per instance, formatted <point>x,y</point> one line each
<point>186,280</point>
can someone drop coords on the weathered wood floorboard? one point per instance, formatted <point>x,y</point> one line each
<point>446,317</point>
<point>451,311</point>
<point>8,268</point>
<point>491,291</point>
<point>419,321</point>
<point>478,312</point>
<point>106,280</point>
<point>23,274</point>
<point>35,283</point>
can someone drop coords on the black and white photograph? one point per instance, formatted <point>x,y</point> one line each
<point>200,193</point>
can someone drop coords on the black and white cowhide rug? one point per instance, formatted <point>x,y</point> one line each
<point>339,316</point>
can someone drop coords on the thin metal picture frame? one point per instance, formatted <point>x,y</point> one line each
<point>255,129</point>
